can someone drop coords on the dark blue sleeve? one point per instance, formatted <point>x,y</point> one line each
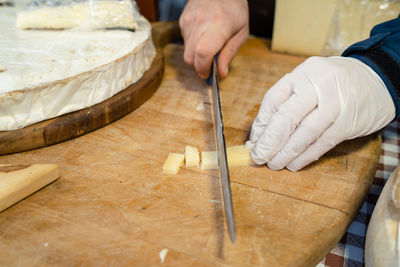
<point>382,53</point>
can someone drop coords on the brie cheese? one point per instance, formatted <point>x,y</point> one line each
<point>50,73</point>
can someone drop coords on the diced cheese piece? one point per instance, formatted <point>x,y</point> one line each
<point>238,156</point>
<point>192,156</point>
<point>173,163</point>
<point>209,160</point>
<point>101,14</point>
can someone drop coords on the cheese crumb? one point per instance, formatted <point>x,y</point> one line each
<point>192,156</point>
<point>209,160</point>
<point>163,253</point>
<point>173,163</point>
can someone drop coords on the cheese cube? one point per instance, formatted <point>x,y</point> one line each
<point>173,163</point>
<point>238,156</point>
<point>209,160</point>
<point>192,156</point>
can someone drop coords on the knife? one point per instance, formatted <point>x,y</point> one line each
<point>222,160</point>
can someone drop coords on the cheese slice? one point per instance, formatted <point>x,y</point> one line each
<point>51,73</point>
<point>192,156</point>
<point>173,163</point>
<point>19,181</point>
<point>209,160</point>
<point>93,14</point>
<point>238,156</point>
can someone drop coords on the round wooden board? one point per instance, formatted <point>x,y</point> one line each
<point>113,206</point>
<point>80,122</point>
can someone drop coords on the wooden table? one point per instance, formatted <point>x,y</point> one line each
<point>113,206</point>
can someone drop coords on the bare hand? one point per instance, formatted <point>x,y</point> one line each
<point>212,26</point>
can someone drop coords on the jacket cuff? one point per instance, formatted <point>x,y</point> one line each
<point>385,66</point>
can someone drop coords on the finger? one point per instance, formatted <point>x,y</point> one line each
<point>283,123</point>
<point>328,140</point>
<point>211,41</point>
<point>312,127</point>
<point>274,97</point>
<point>229,51</point>
<point>190,46</point>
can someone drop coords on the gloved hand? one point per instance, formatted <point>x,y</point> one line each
<point>209,27</point>
<point>321,103</point>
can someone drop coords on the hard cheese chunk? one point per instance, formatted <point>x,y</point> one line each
<point>102,14</point>
<point>301,27</point>
<point>173,163</point>
<point>238,156</point>
<point>326,27</point>
<point>209,160</point>
<point>192,156</point>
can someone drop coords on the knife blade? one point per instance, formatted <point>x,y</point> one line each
<point>222,159</point>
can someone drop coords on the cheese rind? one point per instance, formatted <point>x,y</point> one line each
<point>239,156</point>
<point>192,156</point>
<point>96,14</point>
<point>209,160</point>
<point>173,163</point>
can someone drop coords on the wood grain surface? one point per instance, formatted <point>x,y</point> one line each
<point>113,206</point>
<point>80,122</point>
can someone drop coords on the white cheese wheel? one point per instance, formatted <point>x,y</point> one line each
<point>51,73</point>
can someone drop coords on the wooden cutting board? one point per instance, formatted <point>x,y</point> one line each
<point>113,206</point>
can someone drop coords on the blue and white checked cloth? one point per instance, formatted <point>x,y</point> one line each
<point>350,250</point>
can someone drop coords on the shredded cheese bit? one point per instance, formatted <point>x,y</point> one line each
<point>163,253</point>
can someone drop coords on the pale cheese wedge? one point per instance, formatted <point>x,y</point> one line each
<point>238,156</point>
<point>192,156</point>
<point>173,163</point>
<point>209,160</point>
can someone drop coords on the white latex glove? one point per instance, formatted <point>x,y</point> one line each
<point>321,103</point>
<point>212,26</point>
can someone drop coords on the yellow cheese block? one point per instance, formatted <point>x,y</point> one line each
<point>301,27</point>
<point>173,163</point>
<point>209,160</point>
<point>192,156</point>
<point>326,27</point>
<point>238,156</point>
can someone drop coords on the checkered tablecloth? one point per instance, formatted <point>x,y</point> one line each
<point>350,250</point>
